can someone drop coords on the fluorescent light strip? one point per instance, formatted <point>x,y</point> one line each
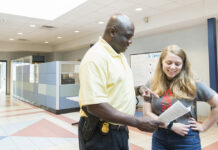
<point>42,9</point>
<point>100,22</point>
<point>138,9</point>
<point>32,26</point>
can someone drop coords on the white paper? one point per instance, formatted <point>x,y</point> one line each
<point>175,111</point>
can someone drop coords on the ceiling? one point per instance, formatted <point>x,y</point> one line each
<point>162,15</point>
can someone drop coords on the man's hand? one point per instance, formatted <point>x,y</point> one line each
<point>148,124</point>
<point>146,93</point>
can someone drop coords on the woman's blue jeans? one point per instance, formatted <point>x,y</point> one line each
<point>164,139</point>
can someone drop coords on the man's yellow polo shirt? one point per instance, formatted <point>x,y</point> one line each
<point>105,77</point>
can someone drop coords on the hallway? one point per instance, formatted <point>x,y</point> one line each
<point>26,127</point>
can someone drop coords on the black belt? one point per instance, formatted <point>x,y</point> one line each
<point>118,127</point>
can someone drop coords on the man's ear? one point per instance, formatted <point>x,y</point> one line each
<point>112,31</point>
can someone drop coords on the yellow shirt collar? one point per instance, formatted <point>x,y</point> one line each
<point>109,49</point>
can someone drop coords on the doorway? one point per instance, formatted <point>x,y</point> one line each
<point>3,77</point>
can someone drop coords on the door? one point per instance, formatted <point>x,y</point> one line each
<point>3,76</point>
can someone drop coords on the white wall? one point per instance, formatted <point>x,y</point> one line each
<point>74,55</point>
<point>55,56</point>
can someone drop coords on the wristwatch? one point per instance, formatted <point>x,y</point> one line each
<point>170,125</point>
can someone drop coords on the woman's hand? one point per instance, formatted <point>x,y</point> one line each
<point>180,128</point>
<point>196,125</point>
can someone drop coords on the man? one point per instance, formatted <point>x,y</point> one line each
<point>107,95</point>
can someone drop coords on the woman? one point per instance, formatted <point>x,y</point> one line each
<point>173,81</point>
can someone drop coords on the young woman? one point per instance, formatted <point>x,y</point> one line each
<point>173,81</point>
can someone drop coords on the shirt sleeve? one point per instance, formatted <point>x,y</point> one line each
<point>92,84</point>
<point>204,93</point>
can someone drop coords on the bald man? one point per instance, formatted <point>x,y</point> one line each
<point>107,94</point>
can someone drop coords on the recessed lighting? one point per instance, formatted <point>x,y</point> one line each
<point>138,9</point>
<point>59,37</point>
<point>100,22</point>
<point>19,33</point>
<point>11,39</point>
<point>77,31</point>
<point>39,8</point>
<point>46,42</point>
<point>32,26</point>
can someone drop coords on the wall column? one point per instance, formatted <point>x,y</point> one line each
<point>212,47</point>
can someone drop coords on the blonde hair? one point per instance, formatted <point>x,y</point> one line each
<point>183,85</point>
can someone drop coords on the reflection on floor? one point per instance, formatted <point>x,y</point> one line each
<point>25,127</point>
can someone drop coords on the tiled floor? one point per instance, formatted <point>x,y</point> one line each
<point>25,127</point>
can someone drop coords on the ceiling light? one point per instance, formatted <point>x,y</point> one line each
<point>11,39</point>
<point>138,9</point>
<point>32,26</point>
<point>76,31</point>
<point>100,22</point>
<point>46,42</point>
<point>19,33</point>
<point>59,37</point>
<point>42,9</point>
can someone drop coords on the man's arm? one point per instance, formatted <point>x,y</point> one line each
<point>106,112</point>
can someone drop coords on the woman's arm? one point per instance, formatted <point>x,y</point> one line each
<point>213,117</point>
<point>178,128</point>
<point>147,111</point>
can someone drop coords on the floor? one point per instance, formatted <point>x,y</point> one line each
<point>26,127</point>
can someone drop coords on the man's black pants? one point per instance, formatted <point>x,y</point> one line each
<point>116,139</point>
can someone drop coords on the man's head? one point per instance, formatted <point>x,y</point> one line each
<point>119,32</point>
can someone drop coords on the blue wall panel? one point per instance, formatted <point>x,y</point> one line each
<point>26,69</point>
<point>51,102</point>
<point>26,77</point>
<point>50,79</point>
<point>18,92</point>
<point>65,103</point>
<point>52,67</point>
<point>69,90</point>
<point>35,98</point>
<point>46,68</point>
<point>47,77</point>
<point>42,78</point>
<point>42,68</point>
<point>42,99</point>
